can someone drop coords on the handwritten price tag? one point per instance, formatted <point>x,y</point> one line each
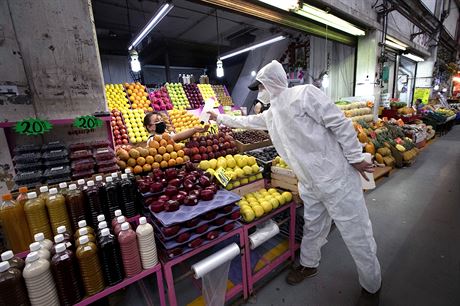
<point>222,176</point>
<point>33,126</point>
<point>87,122</point>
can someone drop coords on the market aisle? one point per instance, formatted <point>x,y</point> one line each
<point>415,214</point>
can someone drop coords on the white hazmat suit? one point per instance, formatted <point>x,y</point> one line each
<point>315,139</point>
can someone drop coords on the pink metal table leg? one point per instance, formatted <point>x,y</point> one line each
<point>292,230</point>
<point>161,289</point>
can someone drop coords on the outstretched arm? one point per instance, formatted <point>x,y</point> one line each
<point>256,122</point>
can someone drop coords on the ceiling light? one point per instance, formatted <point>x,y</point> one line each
<point>325,81</point>
<point>135,64</point>
<point>331,20</point>
<point>444,89</point>
<point>253,47</point>
<point>394,45</point>
<point>436,87</point>
<point>219,69</point>
<point>162,12</point>
<point>414,57</point>
<point>396,41</point>
<point>286,5</point>
<point>253,73</point>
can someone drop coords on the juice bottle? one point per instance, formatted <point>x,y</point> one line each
<point>22,196</point>
<point>82,224</point>
<point>100,227</point>
<point>12,288</point>
<point>93,203</point>
<point>84,232</point>
<point>63,188</point>
<point>109,250</point>
<point>63,230</point>
<point>42,252</point>
<point>146,242</point>
<point>114,202</point>
<point>37,217</point>
<point>14,225</point>
<point>45,243</point>
<point>43,192</point>
<point>117,214</point>
<point>39,281</point>
<point>99,181</point>
<point>131,176</point>
<point>120,221</point>
<point>14,261</point>
<point>65,273</point>
<point>90,267</point>
<point>81,184</point>
<point>75,202</point>
<point>128,196</point>
<point>129,251</point>
<point>100,184</point>
<point>57,210</point>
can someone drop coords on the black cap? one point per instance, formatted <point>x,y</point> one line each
<point>254,85</point>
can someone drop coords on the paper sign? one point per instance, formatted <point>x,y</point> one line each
<point>87,122</point>
<point>222,176</point>
<point>33,126</point>
<point>422,93</point>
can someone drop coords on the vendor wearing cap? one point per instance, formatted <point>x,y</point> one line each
<point>262,102</point>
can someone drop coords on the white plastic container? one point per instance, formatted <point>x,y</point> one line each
<point>146,242</point>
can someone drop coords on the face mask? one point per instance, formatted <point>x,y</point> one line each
<point>160,127</point>
<point>263,96</point>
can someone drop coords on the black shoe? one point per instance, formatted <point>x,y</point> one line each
<point>369,299</point>
<point>299,273</point>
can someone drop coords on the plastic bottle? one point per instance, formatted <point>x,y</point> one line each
<point>117,228</point>
<point>81,184</point>
<point>99,180</point>
<point>43,192</point>
<point>14,261</point>
<point>90,267</point>
<point>42,252</point>
<point>12,288</point>
<point>131,176</point>
<point>75,202</point>
<point>22,197</point>
<point>66,275</point>
<point>109,251</point>
<point>100,227</point>
<point>45,243</point>
<point>127,196</point>
<point>14,225</point>
<point>84,232</point>
<point>129,251</point>
<point>63,230</point>
<point>63,188</point>
<point>82,224</point>
<point>117,214</point>
<point>57,210</point>
<point>37,217</point>
<point>93,203</point>
<point>146,242</point>
<point>39,281</point>
<point>112,196</point>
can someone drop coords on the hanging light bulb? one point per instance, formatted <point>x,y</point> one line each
<point>135,64</point>
<point>253,73</point>
<point>220,69</point>
<point>325,81</point>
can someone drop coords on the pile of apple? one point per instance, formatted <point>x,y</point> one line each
<point>207,92</point>
<point>160,100</point>
<point>183,120</point>
<point>138,96</point>
<point>279,162</point>
<point>174,188</point>
<point>177,95</point>
<point>210,146</point>
<point>119,131</point>
<point>116,97</point>
<point>193,95</point>
<point>134,121</point>
<point>255,205</point>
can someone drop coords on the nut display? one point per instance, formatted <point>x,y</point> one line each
<point>250,136</point>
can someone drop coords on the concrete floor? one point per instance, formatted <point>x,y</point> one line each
<point>416,220</point>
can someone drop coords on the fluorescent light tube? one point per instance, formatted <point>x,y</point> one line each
<point>396,41</point>
<point>164,10</point>
<point>253,47</point>
<point>414,57</point>
<point>389,43</point>
<point>286,5</point>
<point>331,20</point>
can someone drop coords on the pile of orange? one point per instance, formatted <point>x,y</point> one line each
<point>183,120</point>
<point>138,96</point>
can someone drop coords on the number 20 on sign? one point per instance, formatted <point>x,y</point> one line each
<point>33,126</point>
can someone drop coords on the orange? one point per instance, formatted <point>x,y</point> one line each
<point>166,136</point>
<point>164,164</point>
<point>162,150</point>
<point>131,87</point>
<point>137,169</point>
<point>173,155</point>
<point>158,158</point>
<point>149,159</point>
<point>131,162</point>
<point>147,168</point>
<point>180,153</point>
<point>169,148</point>
<point>155,165</point>
<point>171,142</point>
<point>166,156</point>
<point>140,161</point>
<point>157,138</point>
<point>154,144</point>
<point>172,162</point>
<point>179,160</point>
<point>163,143</point>
<point>177,146</point>
<point>130,168</point>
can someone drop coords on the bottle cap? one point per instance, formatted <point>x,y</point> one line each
<point>60,248</point>
<point>44,189</point>
<point>102,225</point>
<point>125,226</point>
<point>7,197</point>
<point>99,178</point>
<point>100,218</point>
<point>128,171</point>
<point>118,213</point>
<point>124,176</point>
<point>61,229</point>
<point>105,232</point>
<point>33,256</point>
<point>90,183</point>
<point>23,189</point>
<point>72,187</point>
<point>121,219</point>
<point>7,255</point>
<point>58,238</point>
<point>82,223</point>
<point>83,231</point>
<point>81,182</point>
<point>109,179</point>
<point>142,220</point>
<point>39,237</point>
<point>35,246</point>
<point>31,195</point>
<point>4,266</point>
<point>53,191</point>
<point>83,239</point>
<point>63,185</point>
<point>114,175</point>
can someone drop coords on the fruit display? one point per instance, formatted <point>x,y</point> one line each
<point>193,95</point>
<point>210,146</point>
<point>221,94</point>
<point>445,112</point>
<point>167,120</point>
<point>134,121</point>
<point>257,204</point>
<point>162,152</point>
<point>264,154</point>
<point>406,111</point>
<point>160,100</point>
<point>250,136</point>
<point>116,97</point>
<point>138,96</point>
<point>279,162</point>
<point>177,95</point>
<point>207,92</point>
<point>356,111</point>
<point>183,120</point>
<point>120,134</point>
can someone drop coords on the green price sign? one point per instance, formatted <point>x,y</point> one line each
<point>87,122</point>
<point>33,126</point>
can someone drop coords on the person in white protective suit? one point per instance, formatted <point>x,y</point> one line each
<point>320,145</point>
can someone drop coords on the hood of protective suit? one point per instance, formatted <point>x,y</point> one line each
<point>273,77</point>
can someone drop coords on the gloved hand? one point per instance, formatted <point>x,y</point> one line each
<point>212,116</point>
<point>363,167</point>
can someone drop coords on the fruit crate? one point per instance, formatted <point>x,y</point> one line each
<point>251,187</point>
<point>252,146</point>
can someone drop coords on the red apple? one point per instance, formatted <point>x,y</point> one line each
<point>235,215</point>
<point>164,198</point>
<point>183,237</point>
<point>228,227</point>
<point>172,205</point>
<point>219,221</point>
<point>212,235</point>
<point>195,243</point>
<point>171,190</point>
<point>191,200</point>
<point>156,187</point>
<point>170,231</point>
<point>201,229</point>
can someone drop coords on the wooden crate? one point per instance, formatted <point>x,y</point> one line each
<point>248,188</point>
<point>252,146</point>
<point>283,171</point>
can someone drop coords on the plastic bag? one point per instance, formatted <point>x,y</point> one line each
<point>215,285</point>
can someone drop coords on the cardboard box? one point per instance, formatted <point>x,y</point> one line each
<point>252,146</point>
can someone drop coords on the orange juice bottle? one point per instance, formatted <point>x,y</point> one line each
<point>14,224</point>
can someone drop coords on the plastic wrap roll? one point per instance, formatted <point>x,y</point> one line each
<point>269,230</point>
<point>215,260</point>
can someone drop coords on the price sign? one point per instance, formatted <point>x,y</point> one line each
<point>87,122</point>
<point>222,176</point>
<point>33,126</point>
